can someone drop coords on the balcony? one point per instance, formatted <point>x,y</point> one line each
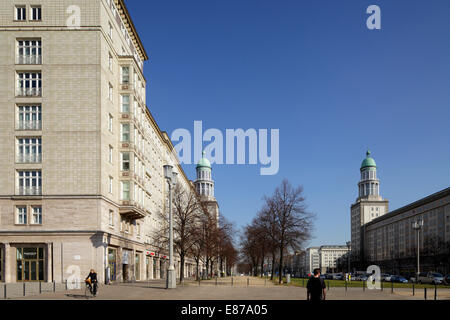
<point>29,92</point>
<point>30,191</point>
<point>29,125</point>
<point>29,59</point>
<point>29,158</point>
<point>130,211</point>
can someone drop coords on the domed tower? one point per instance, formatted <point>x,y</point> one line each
<point>369,185</point>
<point>204,184</point>
<point>368,206</point>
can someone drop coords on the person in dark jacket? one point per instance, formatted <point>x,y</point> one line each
<point>316,287</point>
<point>93,281</point>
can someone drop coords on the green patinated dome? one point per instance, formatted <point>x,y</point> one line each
<point>368,161</point>
<point>204,162</point>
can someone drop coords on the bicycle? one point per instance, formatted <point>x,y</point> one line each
<point>88,290</point>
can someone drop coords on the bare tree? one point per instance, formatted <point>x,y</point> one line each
<point>186,221</point>
<point>292,222</point>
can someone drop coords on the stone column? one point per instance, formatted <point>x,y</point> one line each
<point>48,261</point>
<point>158,266</point>
<point>150,267</point>
<point>119,268</point>
<point>8,263</point>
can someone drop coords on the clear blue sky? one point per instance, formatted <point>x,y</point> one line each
<point>313,70</point>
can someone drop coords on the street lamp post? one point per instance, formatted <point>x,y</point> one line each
<point>348,257</point>
<point>417,225</point>
<point>171,177</point>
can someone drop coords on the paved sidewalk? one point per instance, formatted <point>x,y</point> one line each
<point>155,290</point>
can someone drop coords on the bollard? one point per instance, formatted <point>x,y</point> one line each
<point>231,281</point>
<point>40,287</point>
<point>364,287</point>
<point>382,285</point>
<point>4,290</point>
<point>414,290</point>
<point>216,281</point>
<point>345,285</point>
<point>328,285</point>
<point>248,282</point>
<point>66,284</point>
<point>435,291</point>
<point>54,286</point>
<point>425,293</point>
<point>199,282</point>
<point>392,287</point>
<point>24,293</point>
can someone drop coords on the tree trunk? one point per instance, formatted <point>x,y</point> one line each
<point>280,267</point>
<point>198,273</point>
<point>273,266</point>
<point>262,267</point>
<point>181,268</point>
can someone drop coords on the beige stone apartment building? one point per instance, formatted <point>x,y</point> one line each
<point>81,180</point>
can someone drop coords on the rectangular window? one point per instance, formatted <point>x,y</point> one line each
<point>125,104</point>
<point>36,13</point>
<point>21,13</point>
<point>21,215</point>
<point>29,52</point>
<point>30,183</point>
<point>125,75</point>
<point>110,122</point>
<point>110,92</point>
<point>125,186</point>
<point>110,62</point>
<point>111,218</point>
<point>29,118</point>
<point>29,150</point>
<point>29,84</point>
<point>110,31</point>
<point>111,185</point>
<point>37,215</point>
<point>111,154</point>
<point>125,132</point>
<point>125,166</point>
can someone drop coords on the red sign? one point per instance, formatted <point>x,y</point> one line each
<point>164,257</point>
<point>150,253</point>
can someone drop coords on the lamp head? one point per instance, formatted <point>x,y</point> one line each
<point>168,171</point>
<point>174,177</point>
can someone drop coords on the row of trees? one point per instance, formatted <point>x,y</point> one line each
<point>282,225</point>
<point>197,233</point>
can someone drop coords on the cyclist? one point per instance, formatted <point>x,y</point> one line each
<point>91,279</point>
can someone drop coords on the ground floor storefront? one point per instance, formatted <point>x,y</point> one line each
<point>61,257</point>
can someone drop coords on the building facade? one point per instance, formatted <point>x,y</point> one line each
<point>388,238</point>
<point>329,256</point>
<point>368,206</point>
<point>82,176</point>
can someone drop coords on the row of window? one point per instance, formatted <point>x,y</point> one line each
<point>124,224</point>
<point>21,13</point>
<point>23,216</point>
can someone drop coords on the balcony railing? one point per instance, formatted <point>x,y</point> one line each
<point>29,158</point>
<point>30,191</point>
<point>29,59</point>
<point>29,125</point>
<point>29,92</point>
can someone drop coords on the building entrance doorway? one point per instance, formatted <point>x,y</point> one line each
<point>125,272</point>
<point>30,264</point>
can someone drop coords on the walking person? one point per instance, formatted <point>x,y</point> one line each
<point>316,288</point>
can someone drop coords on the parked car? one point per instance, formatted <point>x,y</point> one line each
<point>328,276</point>
<point>447,279</point>
<point>398,279</point>
<point>430,277</point>
<point>387,278</point>
<point>383,276</point>
<point>338,276</point>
